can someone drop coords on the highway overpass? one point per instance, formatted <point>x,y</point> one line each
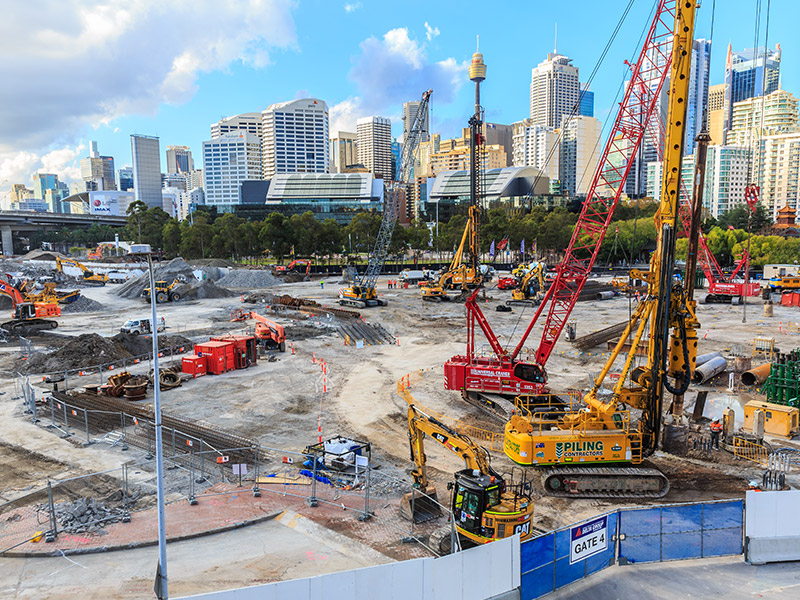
<point>14,221</point>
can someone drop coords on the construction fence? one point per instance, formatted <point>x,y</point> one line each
<point>629,536</point>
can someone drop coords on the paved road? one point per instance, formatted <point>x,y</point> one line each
<point>730,578</point>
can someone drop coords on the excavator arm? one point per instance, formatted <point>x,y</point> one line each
<point>420,424</point>
<point>9,290</point>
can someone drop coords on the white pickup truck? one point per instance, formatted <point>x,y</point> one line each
<point>143,326</point>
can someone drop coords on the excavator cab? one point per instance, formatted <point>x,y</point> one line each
<point>484,510</point>
<point>25,312</point>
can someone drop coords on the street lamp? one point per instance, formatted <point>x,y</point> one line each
<point>161,570</point>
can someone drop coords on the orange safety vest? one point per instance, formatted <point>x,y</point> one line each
<point>716,427</point>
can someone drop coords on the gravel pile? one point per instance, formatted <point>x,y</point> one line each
<point>137,345</point>
<point>249,279</point>
<point>81,305</point>
<point>177,267</point>
<point>84,351</point>
<point>86,515</point>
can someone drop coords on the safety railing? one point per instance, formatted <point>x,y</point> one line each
<point>751,451</point>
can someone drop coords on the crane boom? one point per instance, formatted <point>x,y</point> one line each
<point>363,291</point>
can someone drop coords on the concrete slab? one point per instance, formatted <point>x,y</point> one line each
<point>726,577</point>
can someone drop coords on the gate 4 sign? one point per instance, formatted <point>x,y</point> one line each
<point>588,539</point>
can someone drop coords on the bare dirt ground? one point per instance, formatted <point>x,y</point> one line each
<point>281,403</point>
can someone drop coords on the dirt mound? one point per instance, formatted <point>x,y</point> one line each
<point>81,305</point>
<point>138,345</point>
<point>176,268</point>
<point>84,351</point>
<point>249,279</point>
<point>213,262</point>
<point>41,255</point>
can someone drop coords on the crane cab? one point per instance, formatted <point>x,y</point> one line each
<point>485,510</point>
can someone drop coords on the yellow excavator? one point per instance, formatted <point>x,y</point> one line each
<point>485,506</point>
<point>88,277</point>
<point>531,287</point>
<point>600,432</point>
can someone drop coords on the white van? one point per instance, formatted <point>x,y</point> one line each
<point>143,326</point>
<point>411,276</point>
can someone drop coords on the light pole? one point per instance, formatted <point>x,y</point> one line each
<point>161,571</point>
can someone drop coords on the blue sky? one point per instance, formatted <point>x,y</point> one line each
<point>103,69</point>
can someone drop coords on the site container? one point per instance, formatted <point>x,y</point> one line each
<point>779,420</point>
<point>786,299</point>
<point>218,355</point>
<point>245,349</point>
<point>194,365</point>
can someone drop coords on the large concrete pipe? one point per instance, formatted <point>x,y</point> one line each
<point>704,358</point>
<point>756,375</point>
<point>603,295</point>
<point>710,369</point>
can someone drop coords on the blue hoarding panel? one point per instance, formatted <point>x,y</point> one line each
<point>640,522</point>
<point>562,543</point>
<point>537,583</point>
<point>719,542</point>
<point>675,519</point>
<point>536,552</point>
<point>567,573</point>
<point>645,548</point>
<point>604,559</point>
<point>722,515</point>
<point>675,546</point>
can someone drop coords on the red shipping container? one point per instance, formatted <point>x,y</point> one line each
<point>194,365</point>
<point>245,349</point>
<point>795,299</point>
<point>786,299</point>
<point>218,355</point>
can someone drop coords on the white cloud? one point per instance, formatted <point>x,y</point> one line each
<point>80,62</point>
<point>19,167</point>
<point>431,32</point>
<point>393,70</point>
<point>352,7</point>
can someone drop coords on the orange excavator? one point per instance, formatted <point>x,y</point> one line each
<point>27,317</point>
<point>295,267</point>
<point>268,333</point>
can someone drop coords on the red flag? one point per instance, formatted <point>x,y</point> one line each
<point>501,245</point>
<point>731,227</point>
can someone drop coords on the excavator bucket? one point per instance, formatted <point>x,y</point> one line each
<point>420,507</point>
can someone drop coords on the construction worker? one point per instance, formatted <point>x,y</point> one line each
<point>716,429</point>
<point>321,284</point>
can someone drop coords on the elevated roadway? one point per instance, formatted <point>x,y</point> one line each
<point>12,221</point>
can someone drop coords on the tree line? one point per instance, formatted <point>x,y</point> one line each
<point>629,239</point>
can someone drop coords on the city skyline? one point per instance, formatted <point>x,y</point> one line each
<point>373,49</point>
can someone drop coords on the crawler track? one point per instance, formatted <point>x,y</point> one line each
<point>600,482</point>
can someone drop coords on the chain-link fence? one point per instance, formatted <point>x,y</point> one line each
<point>68,510</point>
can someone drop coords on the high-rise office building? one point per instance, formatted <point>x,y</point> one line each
<point>250,122</point>
<point>410,110</point>
<point>375,145</point>
<point>125,179</point>
<point>586,101</point>
<point>194,179</point>
<point>579,153</point>
<point>493,134</point>
<point>294,138</point>
<point>229,160</point>
<point>554,90</point>
<point>493,156</point>
<point>716,106</point>
<point>146,170</point>
<point>43,182</point>
<point>179,159</point>
<point>342,151</point>
<point>750,73</point>
<point>697,99</point>
<point>97,171</point>
<point>536,146</point>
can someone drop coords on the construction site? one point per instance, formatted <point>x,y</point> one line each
<point>316,421</point>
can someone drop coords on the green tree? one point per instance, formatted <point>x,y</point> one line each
<point>275,235</point>
<point>171,235</point>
